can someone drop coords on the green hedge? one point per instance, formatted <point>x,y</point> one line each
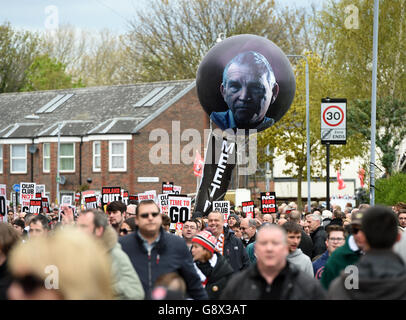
<point>392,190</point>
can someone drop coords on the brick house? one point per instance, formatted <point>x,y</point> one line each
<point>104,136</point>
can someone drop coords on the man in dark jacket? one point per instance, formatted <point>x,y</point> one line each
<point>227,244</point>
<point>272,277</point>
<point>380,273</point>
<point>154,252</point>
<point>317,233</point>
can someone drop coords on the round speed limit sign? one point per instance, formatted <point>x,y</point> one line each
<point>333,121</point>
<point>333,116</point>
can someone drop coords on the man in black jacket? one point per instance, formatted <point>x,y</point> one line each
<point>227,244</point>
<point>317,233</point>
<point>154,252</point>
<point>272,277</point>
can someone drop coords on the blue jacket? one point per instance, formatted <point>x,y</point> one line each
<point>318,265</point>
<point>225,120</point>
<point>170,254</point>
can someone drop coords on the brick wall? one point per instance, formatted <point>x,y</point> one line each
<point>187,110</point>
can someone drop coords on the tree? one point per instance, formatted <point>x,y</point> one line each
<point>288,136</point>
<point>390,128</point>
<point>346,26</point>
<point>46,73</point>
<point>392,190</point>
<point>169,40</point>
<point>17,52</point>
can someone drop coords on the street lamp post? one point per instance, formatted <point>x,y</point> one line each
<point>57,164</point>
<point>307,127</point>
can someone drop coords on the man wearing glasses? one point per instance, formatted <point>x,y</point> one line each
<point>189,231</point>
<point>154,252</point>
<point>348,254</point>
<point>335,239</point>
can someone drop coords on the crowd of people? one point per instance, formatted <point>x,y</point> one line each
<point>130,252</point>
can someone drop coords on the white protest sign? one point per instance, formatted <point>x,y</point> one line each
<point>179,209</point>
<point>27,192</point>
<point>66,199</point>
<point>177,189</point>
<point>3,199</point>
<point>163,203</point>
<point>148,195</point>
<point>223,207</point>
<point>40,188</point>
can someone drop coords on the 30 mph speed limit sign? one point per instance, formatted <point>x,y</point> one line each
<point>333,121</point>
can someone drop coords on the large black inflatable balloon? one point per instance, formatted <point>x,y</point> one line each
<point>245,82</point>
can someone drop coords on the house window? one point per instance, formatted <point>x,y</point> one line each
<point>18,158</point>
<point>96,156</point>
<point>67,157</point>
<point>46,157</point>
<point>117,156</point>
<point>1,158</point>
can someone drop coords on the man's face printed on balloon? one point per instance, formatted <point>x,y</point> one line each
<point>248,88</point>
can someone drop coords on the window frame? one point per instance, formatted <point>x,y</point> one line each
<point>124,169</point>
<point>68,157</point>
<point>94,156</point>
<point>47,158</point>
<point>18,158</point>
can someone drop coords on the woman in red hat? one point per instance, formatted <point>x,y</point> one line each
<point>213,269</point>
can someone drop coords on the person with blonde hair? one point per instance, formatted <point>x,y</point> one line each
<point>68,265</point>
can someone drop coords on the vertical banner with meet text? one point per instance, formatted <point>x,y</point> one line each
<point>220,160</point>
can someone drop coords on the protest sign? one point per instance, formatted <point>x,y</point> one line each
<point>268,202</point>
<point>27,192</point>
<point>248,209</point>
<point>163,203</point>
<point>179,209</point>
<point>223,207</point>
<point>3,199</point>
<point>91,202</point>
<point>35,206</point>
<point>167,187</point>
<point>110,194</point>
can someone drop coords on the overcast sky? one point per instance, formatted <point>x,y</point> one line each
<point>83,14</point>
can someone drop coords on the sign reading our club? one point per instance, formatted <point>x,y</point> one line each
<point>248,209</point>
<point>179,209</point>
<point>223,207</point>
<point>163,203</point>
<point>333,121</point>
<point>110,194</point>
<point>27,192</point>
<point>91,202</point>
<point>268,202</point>
<point>3,199</point>
<point>167,187</point>
<point>35,206</point>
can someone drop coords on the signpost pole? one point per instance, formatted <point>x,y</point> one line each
<point>328,176</point>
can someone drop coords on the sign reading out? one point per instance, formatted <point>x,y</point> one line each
<point>91,202</point>
<point>179,209</point>
<point>248,209</point>
<point>35,206</point>
<point>268,202</point>
<point>45,204</point>
<point>124,196</point>
<point>110,194</point>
